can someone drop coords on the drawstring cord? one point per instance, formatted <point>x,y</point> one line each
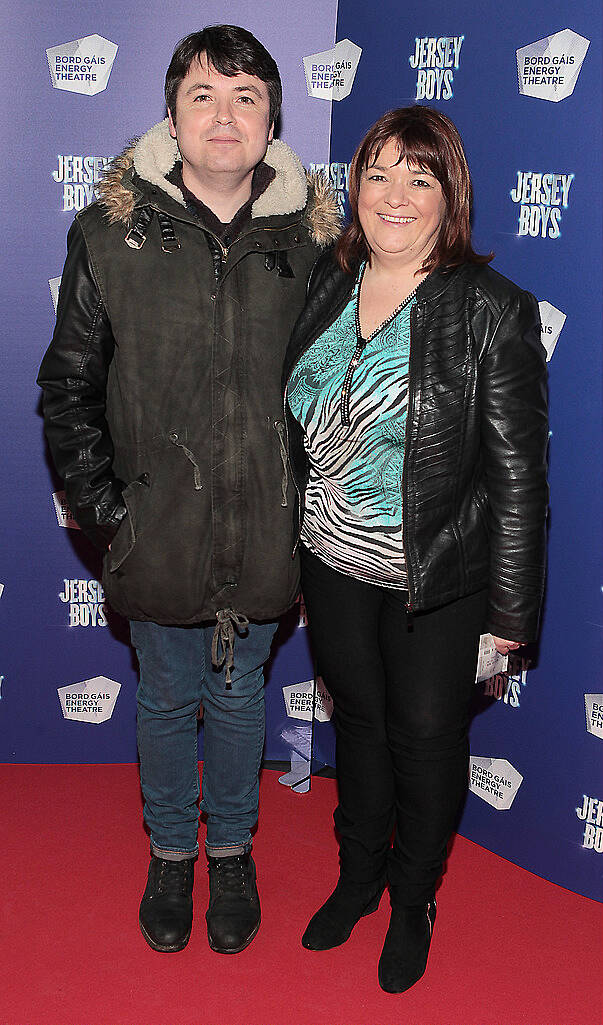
<point>222,642</point>
<point>175,440</point>
<point>280,430</point>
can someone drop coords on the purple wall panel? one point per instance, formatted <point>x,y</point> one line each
<point>44,644</point>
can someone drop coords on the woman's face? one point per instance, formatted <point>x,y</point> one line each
<point>400,208</point>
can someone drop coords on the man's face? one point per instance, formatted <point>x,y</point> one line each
<point>222,124</point>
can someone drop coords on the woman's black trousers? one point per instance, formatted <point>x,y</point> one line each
<point>402,690</point>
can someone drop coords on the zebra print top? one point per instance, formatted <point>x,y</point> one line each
<point>351,398</point>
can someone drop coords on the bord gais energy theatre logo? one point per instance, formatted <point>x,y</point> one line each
<point>82,65</point>
<point>549,68</point>
<point>90,701</point>
<point>63,512</point>
<point>552,321</point>
<point>495,780</point>
<point>330,74</point>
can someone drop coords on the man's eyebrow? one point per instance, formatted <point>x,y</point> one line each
<point>248,89</point>
<point>238,89</point>
<point>198,85</point>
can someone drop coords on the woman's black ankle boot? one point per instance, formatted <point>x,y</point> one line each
<point>334,921</point>
<point>404,956</point>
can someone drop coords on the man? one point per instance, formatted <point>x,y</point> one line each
<point>164,415</point>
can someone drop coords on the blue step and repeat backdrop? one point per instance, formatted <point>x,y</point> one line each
<point>524,88</point>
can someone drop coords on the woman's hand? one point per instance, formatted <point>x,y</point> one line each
<point>503,646</point>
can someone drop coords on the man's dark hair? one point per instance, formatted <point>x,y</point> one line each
<point>231,51</point>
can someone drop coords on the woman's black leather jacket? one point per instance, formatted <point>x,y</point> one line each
<point>474,489</point>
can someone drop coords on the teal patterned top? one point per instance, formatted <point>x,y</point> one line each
<point>353,509</point>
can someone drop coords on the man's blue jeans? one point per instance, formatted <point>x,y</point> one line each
<point>176,675</point>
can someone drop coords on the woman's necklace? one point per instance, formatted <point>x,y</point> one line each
<point>361,344</point>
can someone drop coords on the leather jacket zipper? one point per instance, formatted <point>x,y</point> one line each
<point>409,411</point>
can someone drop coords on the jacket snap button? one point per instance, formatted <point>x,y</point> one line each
<point>276,243</point>
<point>213,297</point>
<point>259,245</point>
<point>296,238</point>
<point>174,436</point>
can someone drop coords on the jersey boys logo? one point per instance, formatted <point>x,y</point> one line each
<point>552,321</point>
<point>541,198</point>
<point>549,68</point>
<point>82,65</point>
<point>89,701</point>
<point>435,60</point>
<point>330,74</point>
<point>495,780</point>
<point>64,514</point>
<point>79,176</point>
<point>507,686</point>
<point>593,704</point>
<point>590,813</point>
<point>338,177</point>
<point>85,601</point>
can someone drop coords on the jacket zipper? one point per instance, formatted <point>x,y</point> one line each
<point>409,411</point>
<point>226,249</point>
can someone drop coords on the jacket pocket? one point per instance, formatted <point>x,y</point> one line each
<point>134,496</point>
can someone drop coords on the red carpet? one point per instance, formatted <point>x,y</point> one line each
<point>508,948</point>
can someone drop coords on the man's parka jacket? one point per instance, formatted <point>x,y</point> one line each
<point>474,480</point>
<point>162,400</point>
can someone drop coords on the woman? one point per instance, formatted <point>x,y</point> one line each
<point>416,390</point>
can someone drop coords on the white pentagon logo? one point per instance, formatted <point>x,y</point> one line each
<point>552,321</point>
<point>54,284</point>
<point>64,514</point>
<point>82,65</point>
<point>549,68</point>
<point>594,714</point>
<point>330,74</point>
<point>298,701</point>
<point>495,781</point>
<point>89,701</point>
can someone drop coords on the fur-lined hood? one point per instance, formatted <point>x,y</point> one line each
<point>153,156</point>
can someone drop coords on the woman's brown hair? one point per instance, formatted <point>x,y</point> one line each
<point>429,141</point>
